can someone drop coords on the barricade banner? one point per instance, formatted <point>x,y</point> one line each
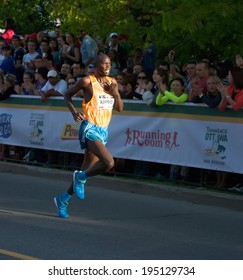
<point>183,134</point>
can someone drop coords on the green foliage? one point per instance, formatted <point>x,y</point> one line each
<point>29,15</point>
<point>194,29</point>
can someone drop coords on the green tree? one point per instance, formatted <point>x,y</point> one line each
<point>29,15</point>
<point>194,29</point>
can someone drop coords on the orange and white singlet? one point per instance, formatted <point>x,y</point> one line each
<point>99,109</point>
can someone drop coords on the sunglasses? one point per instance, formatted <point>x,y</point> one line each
<point>73,83</point>
<point>143,78</point>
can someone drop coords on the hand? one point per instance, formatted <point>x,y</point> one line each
<point>30,86</point>
<point>79,117</point>
<point>149,86</point>
<point>113,88</point>
<point>161,87</point>
<point>43,97</point>
<point>120,87</point>
<point>31,64</point>
<point>223,90</point>
<point>171,56</point>
<point>197,90</point>
<point>239,60</point>
<point>143,85</point>
<point>64,54</point>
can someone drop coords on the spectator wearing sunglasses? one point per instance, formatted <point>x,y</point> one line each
<point>143,84</point>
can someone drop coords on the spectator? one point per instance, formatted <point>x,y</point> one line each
<point>233,94</point>
<point>149,57</point>
<point>71,82</point>
<point>8,87</point>
<point>18,55</point>
<point>55,54</point>
<point>62,46</point>
<point>202,74</point>
<point>120,78</point>
<point>137,58</point>
<point>161,83</point>
<point>40,78</point>
<point>122,55</point>
<point>143,84</point>
<point>72,53</point>
<point>114,63</point>
<point>176,94</point>
<point>65,72</point>
<point>165,65</point>
<point>28,85</point>
<point>170,68</point>
<point>41,35</point>
<point>39,62</point>
<point>129,84</point>
<point>223,68</point>
<point>7,66</point>
<point>29,58</point>
<point>53,87</point>
<point>77,70</point>
<point>46,54</point>
<point>191,75</point>
<point>9,30</point>
<point>212,97</point>
<point>137,68</point>
<point>88,49</point>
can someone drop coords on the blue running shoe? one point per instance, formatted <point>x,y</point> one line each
<point>61,207</point>
<point>78,185</point>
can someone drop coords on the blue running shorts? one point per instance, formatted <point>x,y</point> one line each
<point>92,132</point>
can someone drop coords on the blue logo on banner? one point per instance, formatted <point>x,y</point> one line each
<point>5,125</point>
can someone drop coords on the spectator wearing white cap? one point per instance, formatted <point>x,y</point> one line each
<point>54,86</point>
<point>121,53</point>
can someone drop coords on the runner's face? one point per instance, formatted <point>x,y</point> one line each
<point>104,67</point>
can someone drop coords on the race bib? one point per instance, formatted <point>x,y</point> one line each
<point>105,102</point>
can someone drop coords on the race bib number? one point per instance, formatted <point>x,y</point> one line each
<point>105,102</point>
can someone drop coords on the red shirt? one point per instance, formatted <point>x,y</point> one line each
<point>7,35</point>
<point>238,99</point>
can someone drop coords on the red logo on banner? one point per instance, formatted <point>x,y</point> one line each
<point>155,139</point>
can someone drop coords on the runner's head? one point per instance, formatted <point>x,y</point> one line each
<point>102,65</point>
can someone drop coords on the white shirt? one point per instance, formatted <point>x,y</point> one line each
<point>60,87</point>
<point>29,57</point>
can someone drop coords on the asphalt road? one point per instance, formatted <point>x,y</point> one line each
<point>118,220</point>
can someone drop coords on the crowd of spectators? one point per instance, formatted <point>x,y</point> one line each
<point>46,64</point>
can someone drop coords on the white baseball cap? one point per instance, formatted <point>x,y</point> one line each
<point>52,73</point>
<point>113,34</point>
